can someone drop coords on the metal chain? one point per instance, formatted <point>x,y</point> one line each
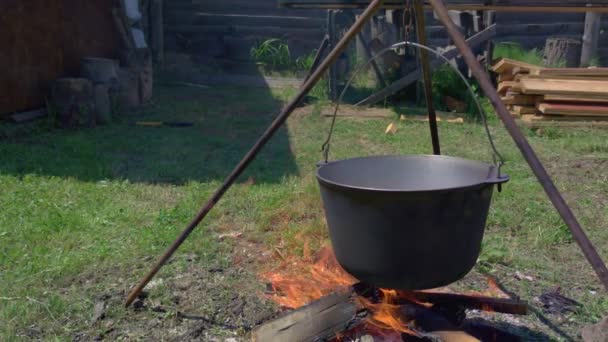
<point>408,21</point>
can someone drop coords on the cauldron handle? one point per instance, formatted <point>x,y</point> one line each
<point>498,159</point>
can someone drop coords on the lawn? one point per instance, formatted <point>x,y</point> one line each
<point>85,213</point>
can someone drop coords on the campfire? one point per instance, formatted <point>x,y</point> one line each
<point>322,302</point>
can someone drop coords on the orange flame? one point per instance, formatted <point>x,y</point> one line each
<point>387,314</point>
<point>301,283</point>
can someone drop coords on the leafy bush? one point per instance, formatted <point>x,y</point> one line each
<point>446,82</point>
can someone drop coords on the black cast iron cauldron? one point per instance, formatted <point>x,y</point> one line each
<point>407,222</point>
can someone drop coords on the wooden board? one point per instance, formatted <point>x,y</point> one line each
<point>506,66</point>
<point>520,99</point>
<point>522,110</point>
<point>570,98</point>
<point>573,109</point>
<point>535,118</point>
<point>563,77</point>
<point>508,85</point>
<point>585,72</point>
<point>505,77</point>
<point>564,87</point>
<point>565,124</point>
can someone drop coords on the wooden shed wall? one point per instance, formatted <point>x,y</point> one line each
<point>45,39</point>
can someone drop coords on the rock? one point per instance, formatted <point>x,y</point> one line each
<point>99,311</point>
<point>596,333</point>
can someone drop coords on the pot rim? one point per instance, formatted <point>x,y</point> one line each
<point>491,180</point>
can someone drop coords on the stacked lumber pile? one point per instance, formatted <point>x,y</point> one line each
<point>534,93</point>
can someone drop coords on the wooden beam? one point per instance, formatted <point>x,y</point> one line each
<point>502,6</point>
<point>413,76</point>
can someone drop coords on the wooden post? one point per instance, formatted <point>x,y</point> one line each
<point>590,37</point>
<point>157,30</point>
<point>488,20</point>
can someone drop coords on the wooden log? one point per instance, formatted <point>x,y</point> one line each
<point>562,50</point>
<point>73,101</point>
<point>338,313</point>
<point>99,70</point>
<point>318,321</point>
<point>500,305</point>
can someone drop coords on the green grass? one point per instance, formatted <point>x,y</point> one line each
<point>517,52</point>
<point>85,212</point>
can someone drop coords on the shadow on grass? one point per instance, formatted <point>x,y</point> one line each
<point>227,121</point>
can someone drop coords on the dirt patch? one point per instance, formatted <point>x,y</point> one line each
<point>201,303</point>
<point>584,177</point>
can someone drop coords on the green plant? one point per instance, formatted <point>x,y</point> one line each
<point>272,53</point>
<point>595,62</point>
<point>306,62</point>
<point>517,52</point>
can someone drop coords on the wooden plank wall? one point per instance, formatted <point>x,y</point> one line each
<point>229,28</point>
<point>45,39</point>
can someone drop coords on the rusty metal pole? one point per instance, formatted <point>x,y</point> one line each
<point>248,158</point>
<point>426,74</point>
<point>522,143</point>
